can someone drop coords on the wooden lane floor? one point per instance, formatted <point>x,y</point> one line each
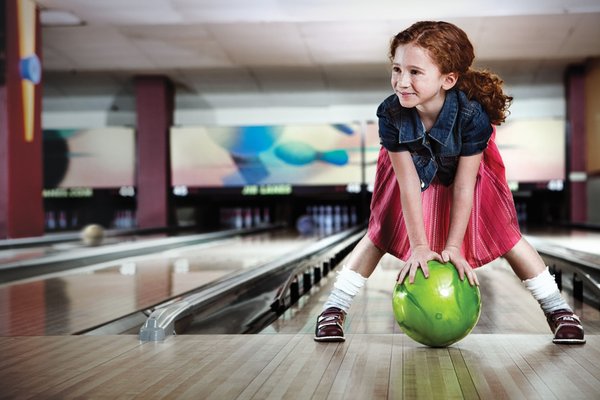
<point>288,366</point>
<point>509,355</point>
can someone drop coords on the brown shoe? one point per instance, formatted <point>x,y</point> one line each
<point>330,325</point>
<point>566,327</point>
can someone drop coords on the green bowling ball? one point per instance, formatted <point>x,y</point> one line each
<point>439,310</point>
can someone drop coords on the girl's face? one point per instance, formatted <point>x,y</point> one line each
<point>417,80</point>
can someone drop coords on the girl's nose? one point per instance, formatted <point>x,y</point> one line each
<point>403,80</point>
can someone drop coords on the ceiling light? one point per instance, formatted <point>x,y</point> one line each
<point>59,18</point>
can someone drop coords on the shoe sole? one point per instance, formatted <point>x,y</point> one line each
<point>568,341</point>
<point>330,339</point>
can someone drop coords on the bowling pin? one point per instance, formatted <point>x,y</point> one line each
<point>337,218</point>
<point>239,222</point>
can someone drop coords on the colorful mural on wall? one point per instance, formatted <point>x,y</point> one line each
<point>95,158</point>
<point>310,155</point>
<point>291,154</point>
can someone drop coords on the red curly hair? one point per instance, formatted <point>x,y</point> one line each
<point>452,51</point>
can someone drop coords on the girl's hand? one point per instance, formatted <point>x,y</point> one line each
<point>452,254</point>
<point>418,259</point>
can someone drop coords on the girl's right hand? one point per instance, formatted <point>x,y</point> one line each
<point>419,257</point>
<point>453,254</point>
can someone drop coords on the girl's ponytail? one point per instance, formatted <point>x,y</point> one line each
<point>486,88</point>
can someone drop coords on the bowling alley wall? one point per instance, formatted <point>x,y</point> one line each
<point>239,152</point>
<point>592,129</point>
<point>244,168</point>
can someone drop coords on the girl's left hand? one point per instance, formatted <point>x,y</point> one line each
<point>453,254</point>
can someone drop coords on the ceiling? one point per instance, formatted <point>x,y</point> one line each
<point>276,46</point>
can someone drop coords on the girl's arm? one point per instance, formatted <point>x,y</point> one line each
<point>462,203</point>
<point>412,209</point>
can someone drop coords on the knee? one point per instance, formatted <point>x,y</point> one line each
<point>367,245</point>
<point>516,251</point>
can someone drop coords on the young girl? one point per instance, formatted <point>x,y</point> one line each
<point>440,187</point>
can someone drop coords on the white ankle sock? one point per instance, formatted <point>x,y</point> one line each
<point>544,289</point>
<point>346,286</point>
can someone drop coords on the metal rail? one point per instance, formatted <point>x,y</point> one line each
<point>311,270</point>
<point>579,263</point>
<point>162,321</point>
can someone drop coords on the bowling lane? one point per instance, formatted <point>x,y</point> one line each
<point>85,297</point>
<point>507,307</point>
<point>128,244</point>
<point>38,251</point>
<point>37,248</point>
<point>585,241</point>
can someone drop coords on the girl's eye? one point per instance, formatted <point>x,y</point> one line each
<point>396,69</point>
<point>415,72</point>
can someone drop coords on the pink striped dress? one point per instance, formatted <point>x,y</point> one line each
<point>493,228</point>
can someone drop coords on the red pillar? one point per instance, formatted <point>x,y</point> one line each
<point>155,97</point>
<point>21,180</point>
<point>576,150</point>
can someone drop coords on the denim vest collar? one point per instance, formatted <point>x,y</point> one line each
<point>411,128</point>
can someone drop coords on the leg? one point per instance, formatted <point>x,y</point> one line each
<point>365,257</point>
<point>360,265</point>
<point>525,260</point>
<point>531,269</point>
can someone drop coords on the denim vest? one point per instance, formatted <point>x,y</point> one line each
<point>462,129</point>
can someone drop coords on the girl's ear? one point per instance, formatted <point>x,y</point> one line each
<point>450,80</point>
